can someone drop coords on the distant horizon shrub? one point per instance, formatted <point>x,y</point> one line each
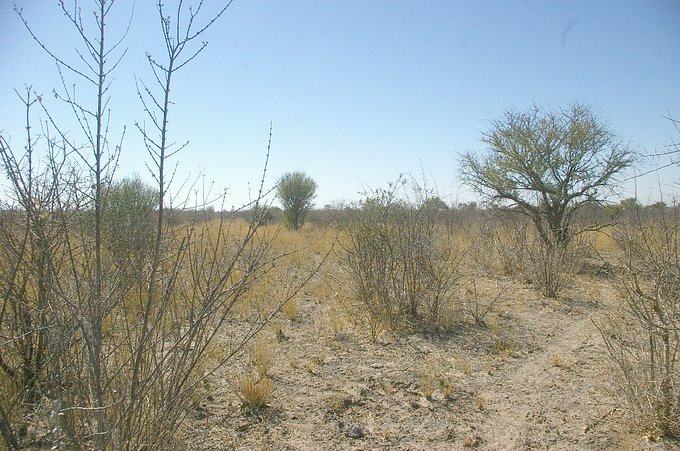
<point>296,191</point>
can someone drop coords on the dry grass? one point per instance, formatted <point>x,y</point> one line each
<point>262,354</point>
<point>504,344</point>
<point>253,391</point>
<point>427,387</point>
<point>480,402</point>
<point>446,387</point>
<point>290,309</point>
<point>276,346</point>
<point>465,368</point>
<point>328,361</point>
<point>556,360</point>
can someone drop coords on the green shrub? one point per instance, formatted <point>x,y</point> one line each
<point>296,191</point>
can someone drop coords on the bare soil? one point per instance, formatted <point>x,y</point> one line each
<point>534,375</point>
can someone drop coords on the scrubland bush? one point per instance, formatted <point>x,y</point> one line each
<point>644,340</point>
<point>402,267</point>
<point>128,225</point>
<point>507,243</point>
<point>478,302</point>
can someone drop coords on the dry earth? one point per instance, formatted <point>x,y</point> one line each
<point>534,376</point>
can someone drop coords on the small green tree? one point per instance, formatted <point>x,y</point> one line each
<point>296,191</point>
<point>547,166</point>
<point>629,206</point>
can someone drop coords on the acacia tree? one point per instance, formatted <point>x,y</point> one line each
<point>296,191</point>
<point>547,165</point>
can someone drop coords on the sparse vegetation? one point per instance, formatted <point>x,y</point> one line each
<point>262,354</point>
<point>427,387</point>
<point>254,391</point>
<point>644,341</point>
<point>447,389</point>
<point>109,309</point>
<point>290,309</point>
<point>127,324</point>
<point>478,305</point>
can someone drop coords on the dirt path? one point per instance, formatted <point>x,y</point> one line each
<point>535,377</point>
<point>554,396</point>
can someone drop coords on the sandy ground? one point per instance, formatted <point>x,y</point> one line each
<point>535,375</point>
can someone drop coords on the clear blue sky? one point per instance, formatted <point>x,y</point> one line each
<point>361,91</point>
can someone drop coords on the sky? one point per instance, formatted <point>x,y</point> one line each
<point>359,92</point>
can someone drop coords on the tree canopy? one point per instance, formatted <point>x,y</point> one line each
<point>547,165</point>
<point>296,191</point>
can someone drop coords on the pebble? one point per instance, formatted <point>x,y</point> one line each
<point>355,430</point>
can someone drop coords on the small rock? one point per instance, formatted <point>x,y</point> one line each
<point>415,404</point>
<point>355,430</point>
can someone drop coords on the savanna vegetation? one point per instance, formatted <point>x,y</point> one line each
<point>296,191</point>
<point>112,301</point>
<point>130,323</point>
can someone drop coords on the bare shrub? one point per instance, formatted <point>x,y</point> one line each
<point>501,245</point>
<point>509,244</point>
<point>552,267</point>
<point>107,343</point>
<point>402,267</point>
<point>644,341</point>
